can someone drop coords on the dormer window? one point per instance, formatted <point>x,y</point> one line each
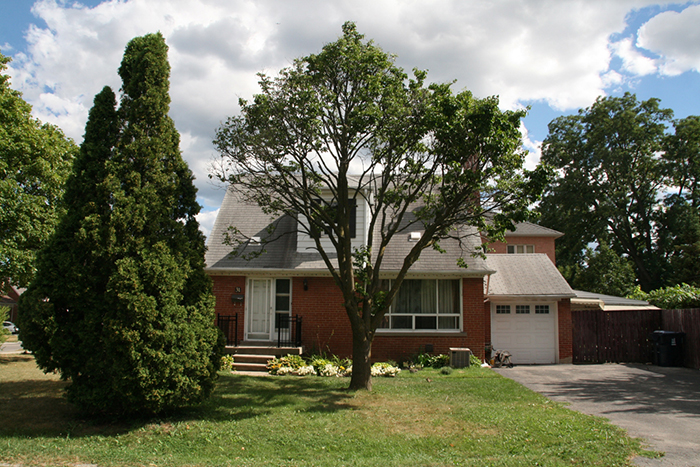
<point>521,249</point>
<point>352,221</point>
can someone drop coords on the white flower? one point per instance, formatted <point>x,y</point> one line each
<point>329,370</point>
<point>306,370</point>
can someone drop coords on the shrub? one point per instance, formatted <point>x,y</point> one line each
<point>293,362</point>
<point>227,363</point>
<point>433,361</point>
<point>670,298</point>
<point>385,369</point>
<point>306,370</point>
<point>446,370</point>
<point>474,361</point>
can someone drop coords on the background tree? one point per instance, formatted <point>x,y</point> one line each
<point>676,297</point>
<point>609,185</point>
<point>121,305</point>
<point>604,272</point>
<point>680,223</point>
<point>35,160</point>
<point>349,121</point>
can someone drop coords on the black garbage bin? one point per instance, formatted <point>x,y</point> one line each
<point>668,348</point>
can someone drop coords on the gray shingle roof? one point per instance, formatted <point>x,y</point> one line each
<point>282,254</point>
<point>528,229</point>
<point>610,300</point>
<point>526,275</point>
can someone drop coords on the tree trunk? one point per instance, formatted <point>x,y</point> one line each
<point>361,364</point>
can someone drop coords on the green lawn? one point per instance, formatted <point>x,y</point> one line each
<point>469,418</point>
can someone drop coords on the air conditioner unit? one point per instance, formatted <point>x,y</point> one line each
<point>459,358</point>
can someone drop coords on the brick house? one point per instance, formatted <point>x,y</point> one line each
<point>515,298</point>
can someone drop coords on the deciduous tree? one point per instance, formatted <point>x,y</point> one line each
<point>610,182</point>
<point>35,160</point>
<point>348,121</point>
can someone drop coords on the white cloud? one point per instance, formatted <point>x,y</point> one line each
<point>633,61</point>
<point>533,147</point>
<point>206,221</point>
<point>539,50</point>
<point>675,37</point>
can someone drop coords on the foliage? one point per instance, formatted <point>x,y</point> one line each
<point>474,361</point>
<point>432,361</point>
<point>35,160</point>
<point>346,125</point>
<point>670,298</point>
<point>604,272</point>
<point>227,362</point>
<point>471,418</point>
<point>446,370</point>
<point>4,314</point>
<point>293,362</point>
<point>609,184</point>
<point>682,153</point>
<point>121,305</point>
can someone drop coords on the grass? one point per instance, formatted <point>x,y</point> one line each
<point>470,417</point>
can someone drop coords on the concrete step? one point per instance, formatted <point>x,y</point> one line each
<point>259,367</point>
<point>263,350</point>
<point>251,358</point>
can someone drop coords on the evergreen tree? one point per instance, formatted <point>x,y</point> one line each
<point>129,318</point>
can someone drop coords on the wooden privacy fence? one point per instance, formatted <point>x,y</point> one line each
<point>687,321</point>
<point>624,336</point>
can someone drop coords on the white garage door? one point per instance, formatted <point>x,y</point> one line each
<point>526,331</point>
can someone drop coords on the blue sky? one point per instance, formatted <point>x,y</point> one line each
<point>553,56</point>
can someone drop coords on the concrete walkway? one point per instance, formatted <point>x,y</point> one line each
<point>658,404</point>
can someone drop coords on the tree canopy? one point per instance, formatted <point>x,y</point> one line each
<point>35,160</point>
<point>626,184</point>
<point>348,122</point>
<point>121,305</point>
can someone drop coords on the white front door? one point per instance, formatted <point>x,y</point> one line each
<point>259,314</point>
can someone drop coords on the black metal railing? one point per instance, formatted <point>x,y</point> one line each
<point>288,330</point>
<point>229,326</point>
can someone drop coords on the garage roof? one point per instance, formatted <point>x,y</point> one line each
<point>525,275</point>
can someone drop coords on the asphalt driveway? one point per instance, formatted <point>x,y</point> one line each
<point>658,404</point>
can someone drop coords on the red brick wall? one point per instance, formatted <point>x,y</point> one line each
<point>566,348</point>
<point>326,327</point>
<point>542,245</point>
<point>224,287</point>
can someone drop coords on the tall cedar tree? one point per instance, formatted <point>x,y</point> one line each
<point>35,160</point>
<point>348,121</point>
<point>121,305</point>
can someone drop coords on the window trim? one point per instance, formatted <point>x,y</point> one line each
<point>459,314</point>
<point>524,246</point>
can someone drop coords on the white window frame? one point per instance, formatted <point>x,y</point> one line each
<point>437,314</point>
<point>275,294</point>
<point>520,249</point>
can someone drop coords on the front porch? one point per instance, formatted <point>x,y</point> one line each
<point>254,356</point>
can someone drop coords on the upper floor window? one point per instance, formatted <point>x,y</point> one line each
<point>352,218</point>
<point>519,249</point>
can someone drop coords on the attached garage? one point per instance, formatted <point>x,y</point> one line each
<point>527,331</point>
<point>524,296</point>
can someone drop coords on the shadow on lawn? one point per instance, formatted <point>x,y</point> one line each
<point>35,407</point>
<point>238,397</point>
